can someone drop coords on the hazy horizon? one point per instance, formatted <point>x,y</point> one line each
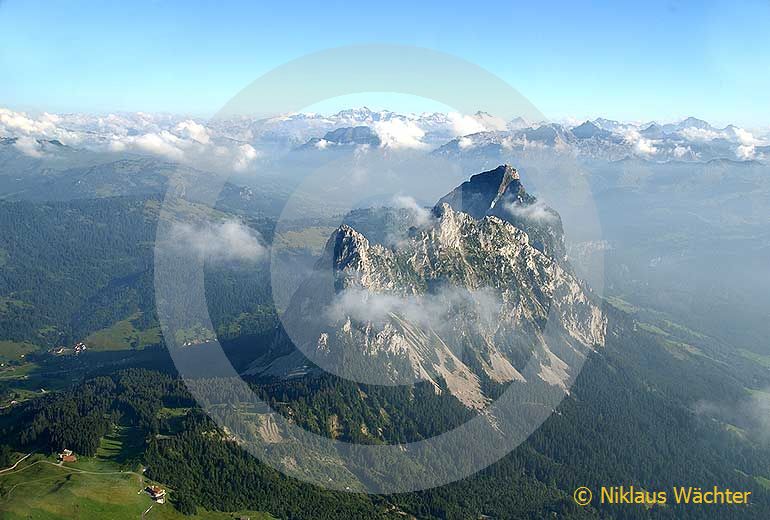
<point>659,61</point>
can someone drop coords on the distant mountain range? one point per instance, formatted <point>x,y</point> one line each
<point>237,143</point>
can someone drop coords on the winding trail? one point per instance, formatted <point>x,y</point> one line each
<point>68,469</point>
<point>17,463</point>
<point>75,470</point>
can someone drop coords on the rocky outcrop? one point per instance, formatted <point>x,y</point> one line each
<point>499,192</point>
<point>466,298</point>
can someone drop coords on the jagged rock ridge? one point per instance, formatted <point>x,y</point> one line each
<point>467,298</point>
<point>499,193</point>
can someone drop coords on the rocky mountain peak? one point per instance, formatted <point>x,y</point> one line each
<point>694,122</point>
<point>353,135</point>
<point>349,246</point>
<point>345,136</point>
<point>471,296</point>
<point>590,129</point>
<point>500,193</point>
<point>479,195</point>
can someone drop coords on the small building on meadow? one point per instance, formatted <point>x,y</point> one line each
<point>67,456</point>
<point>158,494</point>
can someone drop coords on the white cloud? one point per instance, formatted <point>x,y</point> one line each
<point>463,125</point>
<point>645,147</point>
<point>164,144</point>
<point>22,123</point>
<point>212,146</point>
<point>745,137</point>
<point>641,145</point>
<point>699,134</point>
<point>460,124</point>
<point>731,133</point>
<point>681,151</point>
<point>167,136</point>
<point>421,214</point>
<point>758,410</point>
<point>396,133</point>
<point>227,240</point>
<point>464,142</point>
<point>751,413</point>
<point>192,130</point>
<point>537,212</point>
<point>199,150</point>
<point>245,155</point>
<point>44,127</point>
<point>28,146</point>
<point>745,152</point>
<point>491,122</point>
<point>427,311</point>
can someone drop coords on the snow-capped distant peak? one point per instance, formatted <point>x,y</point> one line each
<point>184,139</point>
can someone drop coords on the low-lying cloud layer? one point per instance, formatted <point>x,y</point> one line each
<point>751,414</point>
<point>400,134</point>
<point>641,145</point>
<point>179,140</point>
<point>420,213</point>
<point>221,241</point>
<point>234,144</point>
<point>537,212</point>
<point>428,311</point>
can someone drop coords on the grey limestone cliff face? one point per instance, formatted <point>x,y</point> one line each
<point>484,191</point>
<point>467,298</point>
<point>500,193</point>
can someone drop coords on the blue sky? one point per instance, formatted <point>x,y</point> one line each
<point>646,60</point>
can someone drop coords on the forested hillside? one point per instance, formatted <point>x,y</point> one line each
<point>632,418</point>
<point>72,268</point>
<point>659,405</point>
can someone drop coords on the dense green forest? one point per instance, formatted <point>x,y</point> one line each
<point>630,419</point>
<point>72,268</point>
<point>635,416</point>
